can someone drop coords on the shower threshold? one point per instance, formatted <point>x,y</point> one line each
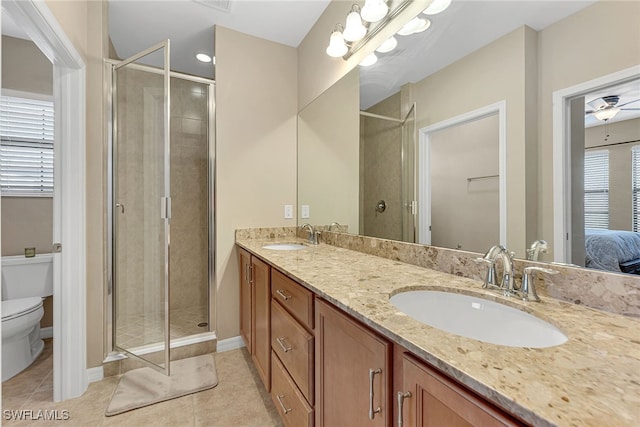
<point>157,347</point>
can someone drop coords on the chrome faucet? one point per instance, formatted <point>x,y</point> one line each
<point>529,280</point>
<point>313,235</point>
<point>499,252</point>
<point>538,247</point>
<point>336,224</point>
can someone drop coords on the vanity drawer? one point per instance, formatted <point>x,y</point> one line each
<point>293,408</point>
<point>294,346</point>
<point>294,297</point>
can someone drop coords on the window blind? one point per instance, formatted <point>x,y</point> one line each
<point>596,189</point>
<point>26,146</point>
<point>635,185</point>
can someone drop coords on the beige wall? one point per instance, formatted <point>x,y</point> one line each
<point>494,73</point>
<point>256,109</point>
<point>85,24</point>
<point>465,214</point>
<point>569,54</point>
<point>328,135</point>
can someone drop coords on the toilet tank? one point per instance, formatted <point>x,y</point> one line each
<point>27,277</point>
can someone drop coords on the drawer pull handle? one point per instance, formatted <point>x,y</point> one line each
<point>283,345</point>
<point>373,412</point>
<point>283,295</point>
<point>284,408</point>
<point>401,397</point>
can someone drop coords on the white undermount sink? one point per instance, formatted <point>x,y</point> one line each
<point>477,318</point>
<point>285,246</point>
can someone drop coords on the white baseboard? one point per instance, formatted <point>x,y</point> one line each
<point>46,332</point>
<point>95,374</point>
<point>229,344</point>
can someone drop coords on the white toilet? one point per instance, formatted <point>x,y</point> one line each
<point>25,283</point>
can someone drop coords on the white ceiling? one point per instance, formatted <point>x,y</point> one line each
<point>136,25</point>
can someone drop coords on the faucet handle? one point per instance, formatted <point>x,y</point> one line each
<point>491,278</point>
<point>528,281</point>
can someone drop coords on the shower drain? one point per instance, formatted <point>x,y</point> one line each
<point>203,324</point>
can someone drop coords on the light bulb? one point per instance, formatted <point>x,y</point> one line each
<point>424,25</point>
<point>203,57</point>
<point>374,10</point>
<point>354,30</point>
<point>337,46</point>
<point>436,6</point>
<point>606,114</point>
<point>388,45</point>
<point>410,27</point>
<point>369,60</point>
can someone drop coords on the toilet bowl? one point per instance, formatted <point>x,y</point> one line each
<point>21,343</point>
<point>25,282</point>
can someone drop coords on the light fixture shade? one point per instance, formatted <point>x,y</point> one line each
<point>388,45</point>
<point>607,114</point>
<point>337,46</point>
<point>369,60</point>
<point>374,10</point>
<point>424,25</point>
<point>410,27</point>
<point>354,30</point>
<point>436,6</point>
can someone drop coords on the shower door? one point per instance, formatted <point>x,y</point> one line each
<point>141,206</point>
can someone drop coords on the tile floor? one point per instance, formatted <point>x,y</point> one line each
<point>239,399</point>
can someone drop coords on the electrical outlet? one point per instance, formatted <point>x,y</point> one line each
<point>288,211</point>
<point>304,211</point>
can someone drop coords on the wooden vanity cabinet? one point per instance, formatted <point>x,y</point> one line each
<point>353,372</point>
<point>430,399</point>
<point>255,312</point>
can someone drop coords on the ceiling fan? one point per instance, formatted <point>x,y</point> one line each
<point>607,107</point>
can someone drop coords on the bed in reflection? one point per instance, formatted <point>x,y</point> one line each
<point>613,250</point>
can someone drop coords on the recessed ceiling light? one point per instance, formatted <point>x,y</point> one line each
<point>203,57</point>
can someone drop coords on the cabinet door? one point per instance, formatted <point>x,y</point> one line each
<point>261,319</point>
<point>432,399</point>
<point>352,372</point>
<point>244,260</point>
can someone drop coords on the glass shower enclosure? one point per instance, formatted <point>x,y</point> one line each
<point>161,207</point>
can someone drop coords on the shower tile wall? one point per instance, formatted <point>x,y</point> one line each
<point>139,292</point>
<point>381,171</point>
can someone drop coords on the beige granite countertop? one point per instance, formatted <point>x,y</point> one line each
<point>591,380</point>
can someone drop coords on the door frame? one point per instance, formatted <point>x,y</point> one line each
<point>424,191</point>
<point>69,206</point>
<point>562,158</point>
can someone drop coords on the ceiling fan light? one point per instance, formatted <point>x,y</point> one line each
<point>410,27</point>
<point>374,10</point>
<point>354,30</point>
<point>606,114</point>
<point>436,7</point>
<point>424,25</point>
<point>369,60</point>
<point>337,47</point>
<point>388,45</point>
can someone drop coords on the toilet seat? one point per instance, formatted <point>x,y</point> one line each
<point>19,307</point>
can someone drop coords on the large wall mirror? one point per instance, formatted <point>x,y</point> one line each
<point>447,140</point>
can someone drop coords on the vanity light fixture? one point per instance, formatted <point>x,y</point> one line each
<point>388,45</point>
<point>606,114</point>
<point>424,25</point>
<point>374,10</point>
<point>203,57</point>
<point>369,60</point>
<point>436,7</point>
<point>337,47</point>
<point>354,30</point>
<point>412,26</point>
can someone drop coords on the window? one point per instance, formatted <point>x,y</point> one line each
<point>596,189</point>
<point>26,146</point>
<point>635,186</point>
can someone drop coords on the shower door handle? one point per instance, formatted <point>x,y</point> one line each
<point>121,206</point>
